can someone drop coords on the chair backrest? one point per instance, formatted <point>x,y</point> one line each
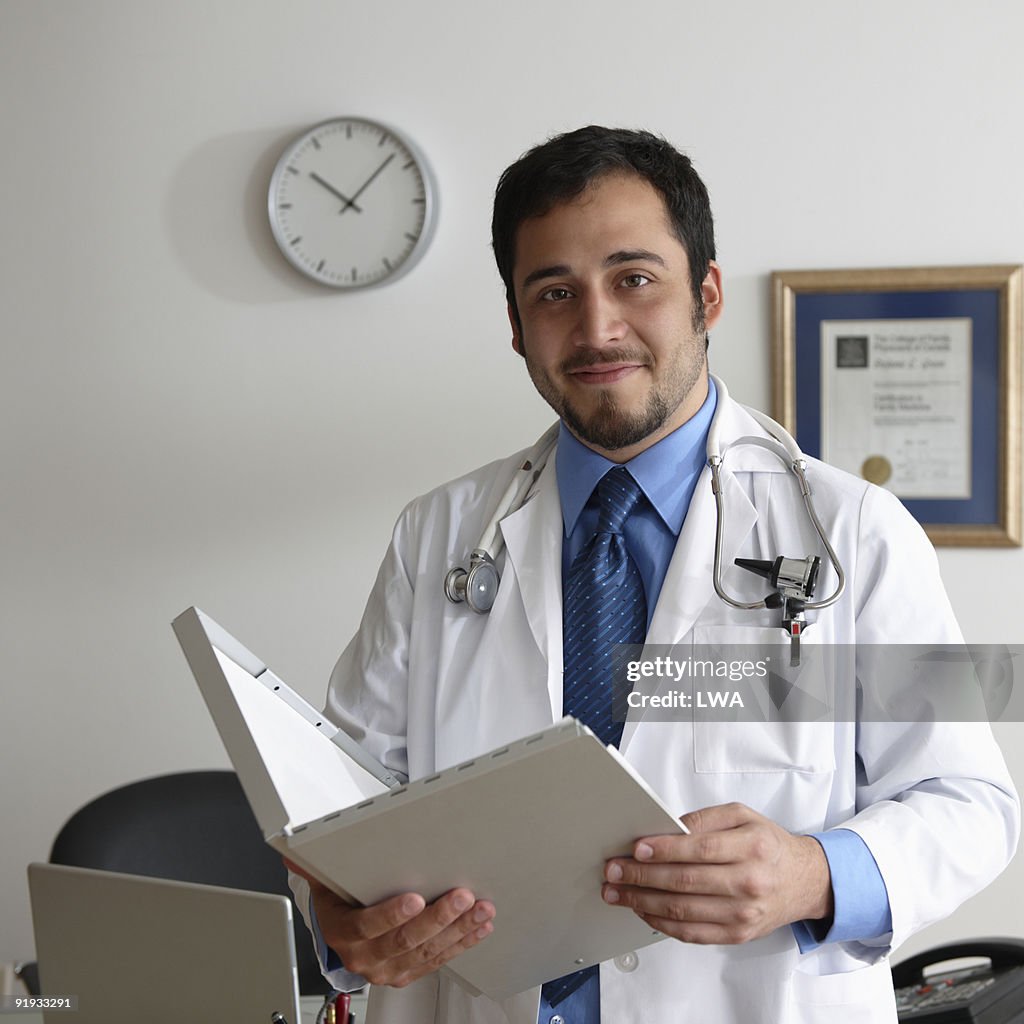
<point>191,827</point>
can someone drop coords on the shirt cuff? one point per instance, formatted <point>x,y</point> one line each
<point>861,902</point>
<point>330,963</point>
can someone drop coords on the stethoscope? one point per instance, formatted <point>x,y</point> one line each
<point>793,579</point>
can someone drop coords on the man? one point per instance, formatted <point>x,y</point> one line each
<point>812,852</point>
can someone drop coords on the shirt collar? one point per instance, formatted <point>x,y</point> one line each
<point>665,472</point>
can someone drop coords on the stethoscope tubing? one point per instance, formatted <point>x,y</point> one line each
<point>784,447</point>
<point>523,486</point>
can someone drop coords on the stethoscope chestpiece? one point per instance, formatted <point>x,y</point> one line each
<point>478,587</point>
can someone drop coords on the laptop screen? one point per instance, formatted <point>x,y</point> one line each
<point>147,949</point>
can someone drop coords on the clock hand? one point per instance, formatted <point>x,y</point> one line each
<point>330,188</point>
<point>352,201</point>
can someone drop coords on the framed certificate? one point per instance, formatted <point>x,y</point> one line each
<point>911,379</point>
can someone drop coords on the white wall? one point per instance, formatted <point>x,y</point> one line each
<point>186,421</point>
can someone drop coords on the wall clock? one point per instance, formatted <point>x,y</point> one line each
<point>353,203</point>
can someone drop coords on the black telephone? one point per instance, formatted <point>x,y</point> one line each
<point>992,993</point>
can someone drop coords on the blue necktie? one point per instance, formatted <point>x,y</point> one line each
<point>603,604</point>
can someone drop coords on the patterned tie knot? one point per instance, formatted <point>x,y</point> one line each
<point>617,496</point>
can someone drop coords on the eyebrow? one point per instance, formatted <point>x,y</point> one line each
<point>633,256</point>
<point>612,260</point>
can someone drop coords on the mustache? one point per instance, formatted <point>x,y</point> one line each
<point>587,359</point>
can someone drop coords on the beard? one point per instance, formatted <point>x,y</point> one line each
<point>609,426</point>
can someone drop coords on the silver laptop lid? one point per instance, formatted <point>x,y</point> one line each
<point>148,949</point>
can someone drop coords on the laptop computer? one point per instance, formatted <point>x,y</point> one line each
<point>148,949</point>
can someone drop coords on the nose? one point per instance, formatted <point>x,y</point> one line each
<point>600,320</point>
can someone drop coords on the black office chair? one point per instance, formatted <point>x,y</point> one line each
<point>190,827</point>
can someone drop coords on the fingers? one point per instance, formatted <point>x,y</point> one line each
<point>696,917</point>
<point>403,938</point>
<point>719,817</point>
<point>730,895</point>
<point>427,926</point>
<point>735,877</point>
<point>363,924</point>
<point>400,939</point>
<point>679,877</point>
<point>433,952</point>
<point>723,834</point>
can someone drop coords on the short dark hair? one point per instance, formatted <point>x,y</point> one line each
<point>561,169</point>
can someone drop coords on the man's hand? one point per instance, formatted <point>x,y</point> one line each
<point>736,877</point>
<point>403,938</point>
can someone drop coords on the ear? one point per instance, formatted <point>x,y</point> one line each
<point>711,293</point>
<point>517,339</point>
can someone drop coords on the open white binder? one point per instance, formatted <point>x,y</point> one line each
<point>528,826</point>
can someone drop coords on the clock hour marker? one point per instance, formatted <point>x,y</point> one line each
<point>407,165</point>
<point>387,263</point>
<point>284,206</point>
<point>419,199</point>
<point>383,138</point>
<point>320,266</point>
<point>292,170</point>
<point>348,131</point>
<point>296,240</point>
<point>316,143</point>
<point>412,238</point>
<point>354,273</point>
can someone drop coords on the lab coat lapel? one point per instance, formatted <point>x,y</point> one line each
<point>689,584</point>
<point>533,539</point>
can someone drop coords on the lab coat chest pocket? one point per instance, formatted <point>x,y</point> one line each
<point>783,719</point>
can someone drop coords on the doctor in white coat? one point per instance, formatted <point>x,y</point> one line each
<point>612,286</point>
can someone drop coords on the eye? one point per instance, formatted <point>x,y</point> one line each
<point>635,280</point>
<point>556,295</point>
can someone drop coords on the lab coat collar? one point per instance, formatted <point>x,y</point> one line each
<point>533,540</point>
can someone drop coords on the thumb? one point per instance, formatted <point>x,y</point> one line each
<point>718,818</point>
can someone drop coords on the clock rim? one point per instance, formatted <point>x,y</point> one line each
<point>430,211</point>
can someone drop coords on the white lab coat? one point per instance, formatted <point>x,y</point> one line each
<point>426,684</point>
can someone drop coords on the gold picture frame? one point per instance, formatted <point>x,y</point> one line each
<point>817,315</point>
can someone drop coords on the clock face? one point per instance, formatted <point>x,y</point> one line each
<point>352,203</point>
